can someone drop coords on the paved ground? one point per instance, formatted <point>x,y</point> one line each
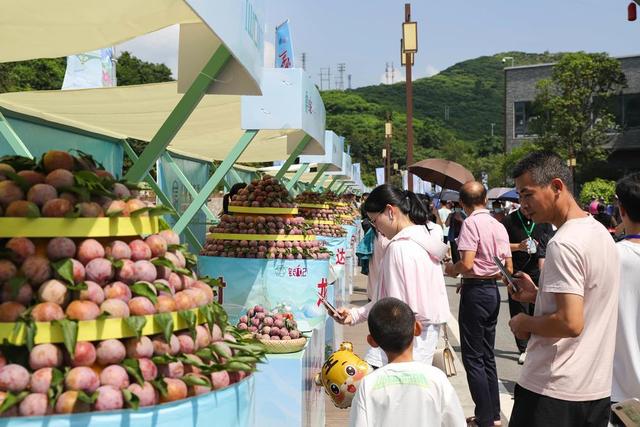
<point>506,354</point>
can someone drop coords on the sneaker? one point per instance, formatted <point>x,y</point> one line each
<point>522,358</point>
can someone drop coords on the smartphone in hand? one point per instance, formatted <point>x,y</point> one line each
<point>505,273</point>
<point>330,308</point>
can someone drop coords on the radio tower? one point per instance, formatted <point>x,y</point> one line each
<point>325,78</point>
<point>386,72</point>
<point>349,80</point>
<point>393,73</point>
<point>340,80</point>
<point>304,61</point>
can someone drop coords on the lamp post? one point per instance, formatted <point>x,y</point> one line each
<point>388,134</point>
<point>409,46</point>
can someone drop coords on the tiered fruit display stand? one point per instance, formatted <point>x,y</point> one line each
<point>104,322</point>
<point>270,260</point>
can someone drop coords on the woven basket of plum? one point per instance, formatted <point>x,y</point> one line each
<point>100,305</point>
<point>276,329</point>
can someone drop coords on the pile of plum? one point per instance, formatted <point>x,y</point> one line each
<point>239,224</point>
<point>269,325</point>
<point>62,185</point>
<point>271,249</point>
<point>264,193</point>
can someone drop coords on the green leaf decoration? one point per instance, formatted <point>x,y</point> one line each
<point>74,213</point>
<point>132,400</point>
<point>164,359</point>
<point>161,210</point>
<point>207,312</point>
<point>163,225</point>
<point>114,214</point>
<point>86,398</point>
<point>15,283</point>
<point>164,262</point>
<point>193,379</point>
<point>84,195</point>
<point>64,269</point>
<point>19,163</point>
<point>191,320</point>
<point>172,248</point>
<point>165,321</point>
<point>57,386</point>
<point>140,211</point>
<point>86,160</point>
<point>104,315</point>
<point>235,366</point>
<point>161,287</point>
<point>136,324</point>
<point>144,289</point>
<point>30,336</point>
<point>205,353</point>
<point>214,283</point>
<point>220,315</point>
<point>69,334</point>
<point>160,385</point>
<point>11,400</point>
<point>117,263</point>
<point>82,286</point>
<point>132,366</point>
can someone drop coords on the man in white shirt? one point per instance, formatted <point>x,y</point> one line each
<point>626,358</point>
<point>444,213</point>
<point>403,392</point>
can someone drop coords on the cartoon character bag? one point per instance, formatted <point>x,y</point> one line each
<point>341,375</point>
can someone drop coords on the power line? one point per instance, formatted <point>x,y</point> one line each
<point>340,79</point>
<point>325,76</point>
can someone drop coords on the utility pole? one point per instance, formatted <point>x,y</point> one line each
<point>304,61</point>
<point>393,73</point>
<point>349,80</point>
<point>492,126</point>
<point>340,81</point>
<point>325,78</point>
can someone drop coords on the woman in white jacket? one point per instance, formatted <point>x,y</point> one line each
<point>410,269</point>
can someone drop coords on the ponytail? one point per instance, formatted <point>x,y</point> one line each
<point>407,201</point>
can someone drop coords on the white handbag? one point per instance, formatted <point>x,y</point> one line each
<point>443,357</point>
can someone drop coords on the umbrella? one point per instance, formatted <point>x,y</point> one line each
<point>445,173</point>
<point>510,196</point>
<point>449,196</point>
<point>495,193</point>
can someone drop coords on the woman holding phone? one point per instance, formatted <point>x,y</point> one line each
<point>410,269</point>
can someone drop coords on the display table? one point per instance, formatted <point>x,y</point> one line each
<point>285,391</point>
<point>229,407</point>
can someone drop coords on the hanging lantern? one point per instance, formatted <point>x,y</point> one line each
<point>631,12</point>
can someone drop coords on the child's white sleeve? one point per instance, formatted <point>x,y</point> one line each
<point>453,415</point>
<point>358,414</point>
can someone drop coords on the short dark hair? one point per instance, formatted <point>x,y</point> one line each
<point>473,194</point>
<point>628,193</point>
<point>544,166</point>
<point>391,324</point>
<point>232,192</point>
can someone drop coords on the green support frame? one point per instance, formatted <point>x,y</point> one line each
<point>13,139</point>
<point>333,181</point>
<point>179,115</point>
<point>214,180</point>
<point>320,183</point>
<point>321,171</point>
<point>293,156</point>
<point>337,191</point>
<point>183,179</point>
<point>295,178</point>
<point>191,238</point>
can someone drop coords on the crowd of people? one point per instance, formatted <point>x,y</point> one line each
<point>573,302</point>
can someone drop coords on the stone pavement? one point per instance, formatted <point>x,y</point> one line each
<point>357,335</point>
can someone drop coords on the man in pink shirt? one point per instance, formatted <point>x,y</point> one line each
<point>566,378</point>
<point>481,238</point>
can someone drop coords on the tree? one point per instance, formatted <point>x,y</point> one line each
<point>596,189</point>
<point>574,118</point>
<point>134,71</point>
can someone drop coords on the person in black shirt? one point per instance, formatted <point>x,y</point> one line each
<point>528,248</point>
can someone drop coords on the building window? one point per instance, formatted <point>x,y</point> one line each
<point>631,110</point>
<point>523,115</point>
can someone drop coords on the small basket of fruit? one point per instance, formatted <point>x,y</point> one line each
<point>276,329</point>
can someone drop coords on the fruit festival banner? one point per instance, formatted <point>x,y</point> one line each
<point>338,246</point>
<point>284,46</point>
<point>271,282</point>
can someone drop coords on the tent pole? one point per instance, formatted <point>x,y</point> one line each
<point>340,188</point>
<point>320,182</point>
<point>185,181</point>
<point>13,139</point>
<point>179,115</point>
<point>293,156</point>
<point>235,175</point>
<point>191,238</point>
<point>214,180</point>
<point>322,170</point>
<point>296,177</point>
<point>333,181</point>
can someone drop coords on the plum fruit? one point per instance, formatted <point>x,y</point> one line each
<point>116,308</point>
<point>56,159</point>
<point>47,312</point>
<point>84,355</point>
<point>41,380</point>
<point>69,403</point>
<point>114,375</point>
<point>34,404</point>
<point>14,378</point>
<point>90,249</point>
<point>82,310</point>
<point>146,393</point>
<point>109,399</point>
<point>138,348</point>
<point>60,247</point>
<point>45,356</point>
<point>110,352</point>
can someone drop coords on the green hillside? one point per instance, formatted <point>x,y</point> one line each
<point>472,90</point>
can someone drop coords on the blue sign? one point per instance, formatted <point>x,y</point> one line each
<point>284,46</point>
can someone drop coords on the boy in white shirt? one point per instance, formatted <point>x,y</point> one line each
<point>403,392</point>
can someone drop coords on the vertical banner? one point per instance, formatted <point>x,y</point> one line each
<point>380,176</point>
<point>90,70</point>
<point>284,46</point>
<point>197,172</point>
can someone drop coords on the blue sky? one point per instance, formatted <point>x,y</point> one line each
<point>365,34</point>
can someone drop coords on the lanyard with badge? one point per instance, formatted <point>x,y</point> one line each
<point>532,248</point>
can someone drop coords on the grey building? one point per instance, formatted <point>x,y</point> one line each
<point>520,91</point>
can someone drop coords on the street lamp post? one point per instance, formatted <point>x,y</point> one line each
<point>388,134</point>
<point>508,58</point>
<point>409,46</point>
